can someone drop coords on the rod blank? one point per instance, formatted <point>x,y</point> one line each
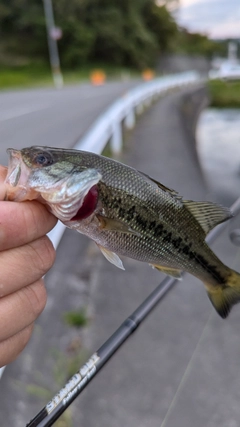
<point>52,411</point>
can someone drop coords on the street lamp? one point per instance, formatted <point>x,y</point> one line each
<point>53,34</point>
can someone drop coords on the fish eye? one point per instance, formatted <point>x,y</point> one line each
<point>43,159</point>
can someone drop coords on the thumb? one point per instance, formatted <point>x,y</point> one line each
<point>3,174</point>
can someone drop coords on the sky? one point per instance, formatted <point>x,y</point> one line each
<point>216,18</point>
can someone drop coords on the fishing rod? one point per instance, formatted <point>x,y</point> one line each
<point>60,402</point>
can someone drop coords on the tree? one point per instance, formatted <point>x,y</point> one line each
<point>199,44</point>
<point>126,32</point>
<point>161,23</point>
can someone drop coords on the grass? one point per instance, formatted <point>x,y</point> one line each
<point>224,94</point>
<point>24,76</point>
<point>39,74</point>
<point>65,366</point>
<point>76,318</point>
<point>38,391</point>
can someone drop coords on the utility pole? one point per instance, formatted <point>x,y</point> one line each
<point>53,34</point>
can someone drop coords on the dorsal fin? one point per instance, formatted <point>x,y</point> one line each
<point>208,214</point>
<point>163,187</point>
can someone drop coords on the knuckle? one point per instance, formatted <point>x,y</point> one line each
<point>43,254</point>
<point>36,219</point>
<point>36,297</point>
<point>13,346</point>
<point>30,219</point>
<point>25,335</point>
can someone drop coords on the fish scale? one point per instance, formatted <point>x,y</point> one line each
<point>152,246</point>
<point>126,213</point>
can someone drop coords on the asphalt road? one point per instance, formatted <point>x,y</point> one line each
<point>53,117</point>
<point>181,369</point>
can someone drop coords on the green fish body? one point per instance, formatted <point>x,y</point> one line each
<point>126,213</point>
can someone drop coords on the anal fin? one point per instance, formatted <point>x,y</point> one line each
<point>174,272</point>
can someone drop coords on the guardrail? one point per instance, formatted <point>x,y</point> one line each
<point>108,126</point>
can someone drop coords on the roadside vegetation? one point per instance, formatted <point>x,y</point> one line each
<point>121,37</point>
<point>224,94</point>
<point>63,363</point>
<point>39,74</point>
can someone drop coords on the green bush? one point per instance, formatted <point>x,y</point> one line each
<point>224,94</point>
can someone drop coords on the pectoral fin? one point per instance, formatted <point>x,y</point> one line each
<point>115,225</point>
<point>169,271</point>
<point>111,257</point>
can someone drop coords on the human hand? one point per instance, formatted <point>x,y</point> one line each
<point>26,254</point>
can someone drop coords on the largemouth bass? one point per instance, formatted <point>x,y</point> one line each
<point>126,213</point>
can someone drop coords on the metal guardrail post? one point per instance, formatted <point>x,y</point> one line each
<point>116,139</point>
<point>129,121</point>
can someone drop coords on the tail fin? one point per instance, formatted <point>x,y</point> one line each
<point>223,297</point>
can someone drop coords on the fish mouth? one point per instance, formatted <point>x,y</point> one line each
<point>17,177</point>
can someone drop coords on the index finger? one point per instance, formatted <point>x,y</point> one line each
<point>22,223</point>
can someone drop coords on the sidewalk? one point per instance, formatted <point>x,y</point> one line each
<point>181,367</point>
